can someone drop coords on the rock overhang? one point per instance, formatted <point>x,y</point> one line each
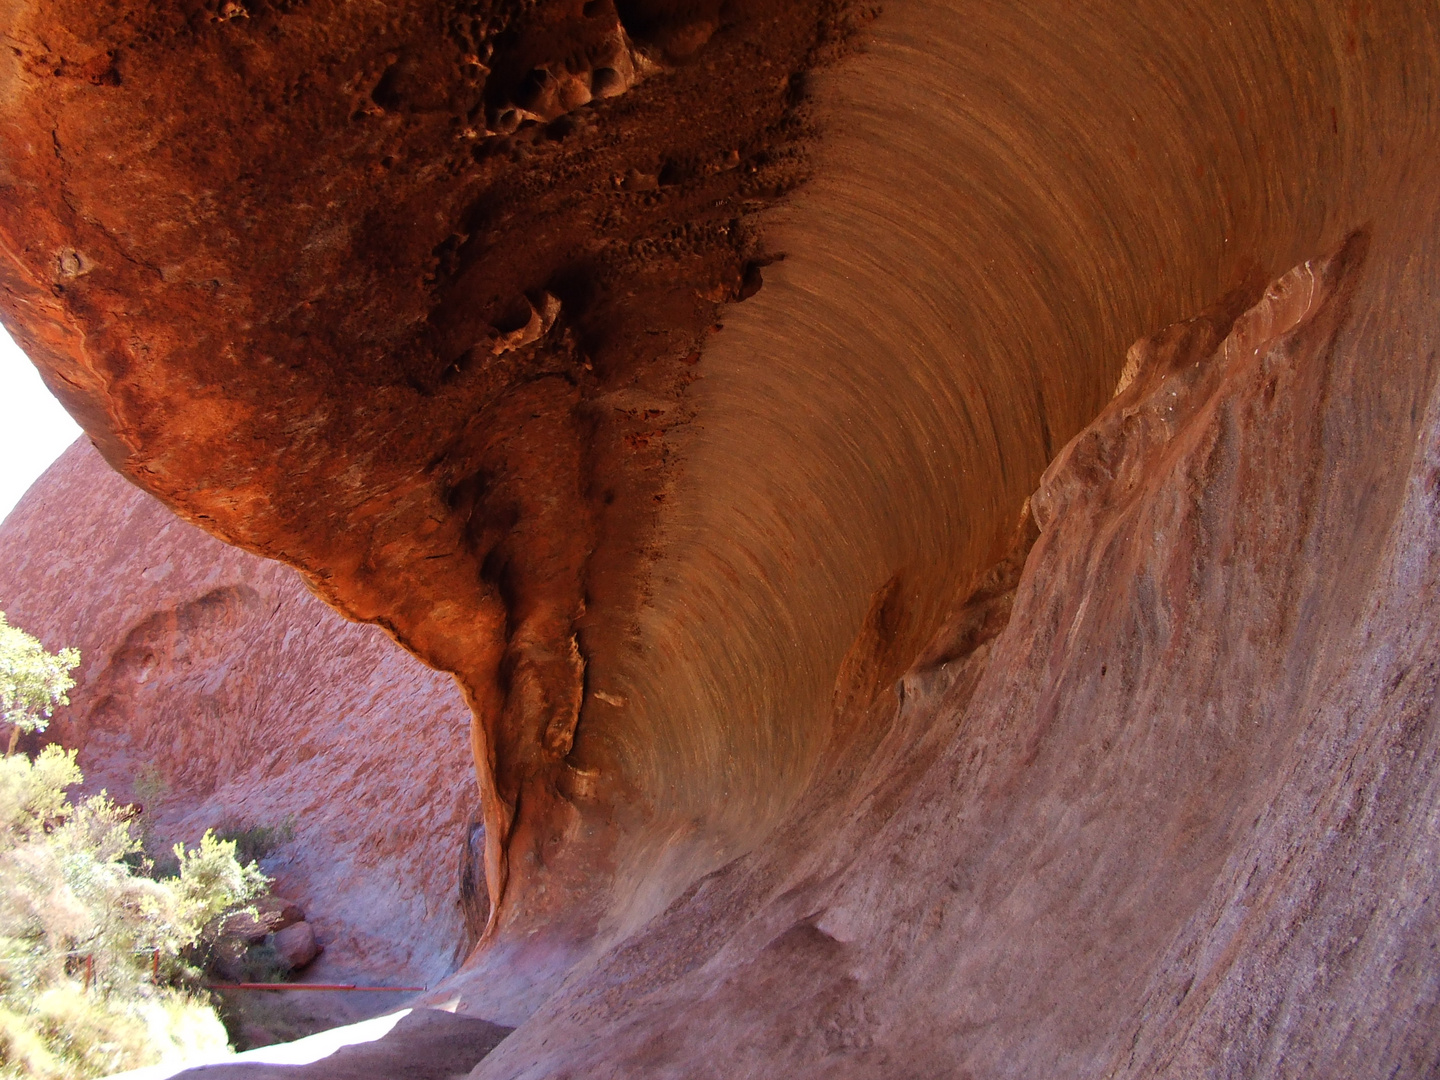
<point>458,385</point>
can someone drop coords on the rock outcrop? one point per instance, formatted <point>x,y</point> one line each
<point>214,683</point>
<point>684,424</point>
<point>296,945</point>
<point>1176,819</point>
<point>310,195</point>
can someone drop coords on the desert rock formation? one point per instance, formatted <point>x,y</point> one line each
<point>237,698</point>
<point>684,423</point>
<point>1178,818</point>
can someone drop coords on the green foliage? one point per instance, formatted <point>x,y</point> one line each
<point>32,794</point>
<point>254,842</point>
<point>32,681</point>
<point>69,1034</point>
<point>82,932</point>
<point>212,881</point>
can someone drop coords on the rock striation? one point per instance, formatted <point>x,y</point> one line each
<point>1164,805</point>
<point>683,425</point>
<point>216,691</point>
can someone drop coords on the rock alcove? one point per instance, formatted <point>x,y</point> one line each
<point>675,376</point>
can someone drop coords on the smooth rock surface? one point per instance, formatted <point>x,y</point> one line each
<point>1180,818</point>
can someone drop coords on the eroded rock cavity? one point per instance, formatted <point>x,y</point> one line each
<point>419,203</point>
<point>380,292</point>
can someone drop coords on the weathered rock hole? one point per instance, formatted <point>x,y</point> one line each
<point>676,172</point>
<point>560,129</point>
<point>504,121</point>
<point>667,34</point>
<point>751,282</point>
<point>386,95</point>
<point>514,315</point>
<point>534,87</point>
<point>606,82</point>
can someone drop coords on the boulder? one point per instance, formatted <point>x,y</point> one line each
<point>269,915</point>
<point>296,946</point>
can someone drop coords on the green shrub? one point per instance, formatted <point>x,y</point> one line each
<point>83,930</point>
<point>255,842</point>
<point>32,681</point>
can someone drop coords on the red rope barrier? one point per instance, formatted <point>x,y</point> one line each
<point>305,986</point>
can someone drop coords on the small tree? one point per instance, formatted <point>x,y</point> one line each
<point>95,964</point>
<point>32,681</point>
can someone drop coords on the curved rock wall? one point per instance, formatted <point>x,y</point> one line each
<point>1162,805</point>
<point>1006,199</point>
<point>680,466</point>
<point>217,685</point>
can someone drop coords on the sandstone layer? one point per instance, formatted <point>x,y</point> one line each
<point>504,229</point>
<point>680,468</point>
<point>1166,806</point>
<point>213,682</point>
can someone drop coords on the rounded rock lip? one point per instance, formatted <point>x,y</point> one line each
<point>1042,218</point>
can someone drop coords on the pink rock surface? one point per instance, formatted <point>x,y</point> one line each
<point>217,678</point>
<point>1179,818</point>
<point>1163,804</point>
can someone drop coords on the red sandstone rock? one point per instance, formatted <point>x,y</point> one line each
<point>217,684</point>
<point>512,328</point>
<point>1177,819</point>
<point>295,945</point>
<point>678,555</point>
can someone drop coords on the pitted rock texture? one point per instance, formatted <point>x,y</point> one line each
<point>678,511</point>
<point>505,228</point>
<point>216,684</point>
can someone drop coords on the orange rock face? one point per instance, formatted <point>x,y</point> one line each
<point>683,422</point>
<point>234,697</point>
<point>520,311</point>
